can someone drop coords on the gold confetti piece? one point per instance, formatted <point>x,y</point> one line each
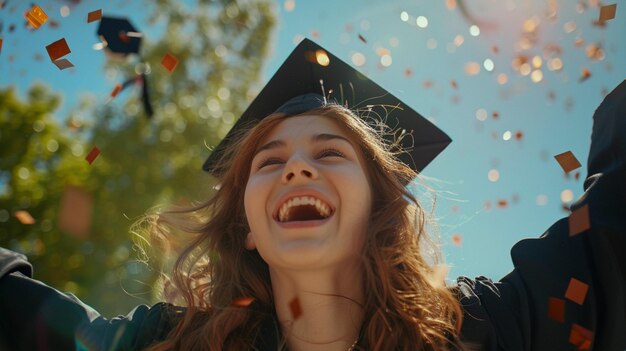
<point>169,62</point>
<point>502,203</point>
<point>116,90</point>
<point>362,38</point>
<point>457,239</point>
<point>556,309</point>
<point>63,64</point>
<point>242,302</point>
<point>93,154</point>
<point>58,49</point>
<point>579,220</point>
<point>568,161</point>
<point>94,16</point>
<point>607,12</point>
<point>296,309</point>
<point>576,291</point>
<point>75,211</point>
<point>581,337</point>
<point>24,217</point>
<point>36,16</point>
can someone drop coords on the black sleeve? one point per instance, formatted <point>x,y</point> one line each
<point>34,316</point>
<point>567,291</point>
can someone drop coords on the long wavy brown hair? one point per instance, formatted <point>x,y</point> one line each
<point>403,308</point>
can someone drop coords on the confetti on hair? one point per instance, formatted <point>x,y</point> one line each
<point>242,302</point>
<point>36,17</point>
<point>24,217</point>
<point>58,49</point>
<point>607,13</point>
<point>169,62</point>
<point>94,16</point>
<point>63,64</point>
<point>576,291</point>
<point>579,220</point>
<point>581,337</point>
<point>296,309</point>
<point>556,309</point>
<point>568,161</point>
<point>93,154</point>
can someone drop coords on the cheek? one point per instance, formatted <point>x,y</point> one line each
<point>255,198</point>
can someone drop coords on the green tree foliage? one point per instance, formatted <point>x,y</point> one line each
<point>144,162</point>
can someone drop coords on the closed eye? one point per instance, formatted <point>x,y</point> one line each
<point>269,161</point>
<point>330,153</point>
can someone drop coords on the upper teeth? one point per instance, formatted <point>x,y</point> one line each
<point>321,207</point>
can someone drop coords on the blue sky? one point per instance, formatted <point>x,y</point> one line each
<point>421,51</point>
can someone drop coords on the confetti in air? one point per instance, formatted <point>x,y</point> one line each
<point>63,64</point>
<point>58,49</point>
<point>116,90</point>
<point>607,13</point>
<point>94,16</point>
<point>93,154</point>
<point>581,337</point>
<point>576,291</point>
<point>24,217</point>
<point>579,220</point>
<point>568,161</point>
<point>169,62</point>
<point>36,17</point>
<point>556,309</point>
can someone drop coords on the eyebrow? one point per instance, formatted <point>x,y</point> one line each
<point>316,138</point>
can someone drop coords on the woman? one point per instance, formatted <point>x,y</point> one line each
<point>312,242</point>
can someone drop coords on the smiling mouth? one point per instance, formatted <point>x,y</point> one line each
<point>303,208</point>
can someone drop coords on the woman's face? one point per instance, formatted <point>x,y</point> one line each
<point>308,199</point>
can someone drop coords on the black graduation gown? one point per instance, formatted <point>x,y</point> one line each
<point>530,309</point>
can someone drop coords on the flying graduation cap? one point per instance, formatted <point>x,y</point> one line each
<point>312,77</point>
<point>121,39</point>
<point>119,36</point>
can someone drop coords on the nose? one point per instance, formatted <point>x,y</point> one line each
<point>297,167</point>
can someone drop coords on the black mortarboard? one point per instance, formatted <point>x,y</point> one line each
<point>308,75</point>
<point>120,35</point>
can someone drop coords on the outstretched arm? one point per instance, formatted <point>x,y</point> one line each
<point>34,316</point>
<point>568,288</point>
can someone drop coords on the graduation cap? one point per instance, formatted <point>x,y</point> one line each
<point>302,83</point>
<point>119,35</point>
